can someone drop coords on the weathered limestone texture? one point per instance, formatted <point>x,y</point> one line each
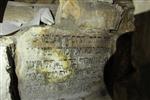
<point>141,6</point>
<point>55,64</point>
<point>19,14</point>
<point>5,68</point>
<point>25,14</point>
<point>66,61</point>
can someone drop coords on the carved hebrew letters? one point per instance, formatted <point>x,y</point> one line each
<point>60,65</point>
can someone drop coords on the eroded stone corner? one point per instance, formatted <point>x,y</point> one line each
<point>8,81</point>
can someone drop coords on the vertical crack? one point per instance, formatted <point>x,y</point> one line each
<point>13,89</point>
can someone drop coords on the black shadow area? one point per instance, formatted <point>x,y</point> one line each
<point>119,72</point>
<point>141,51</point>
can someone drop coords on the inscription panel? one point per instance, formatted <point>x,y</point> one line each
<point>51,66</point>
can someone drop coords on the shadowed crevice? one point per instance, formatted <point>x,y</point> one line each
<point>13,89</point>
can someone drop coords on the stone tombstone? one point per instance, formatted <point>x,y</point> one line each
<point>66,61</point>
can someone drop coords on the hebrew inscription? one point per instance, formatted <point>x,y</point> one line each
<point>53,64</point>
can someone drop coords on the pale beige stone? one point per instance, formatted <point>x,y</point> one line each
<point>26,14</point>
<point>19,14</point>
<point>4,68</point>
<point>141,6</point>
<point>88,14</point>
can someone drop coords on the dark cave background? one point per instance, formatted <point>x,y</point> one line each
<point>127,72</point>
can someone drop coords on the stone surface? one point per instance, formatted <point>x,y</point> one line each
<point>141,6</point>
<point>5,67</point>
<point>57,64</point>
<point>89,15</point>
<point>19,14</point>
<point>66,61</point>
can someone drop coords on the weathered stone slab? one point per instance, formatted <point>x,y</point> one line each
<point>19,14</point>
<point>55,64</point>
<point>89,15</point>
<point>66,61</point>
<point>5,66</point>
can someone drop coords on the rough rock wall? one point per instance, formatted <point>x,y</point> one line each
<point>52,62</point>
<point>140,5</point>
<point>120,75</point>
